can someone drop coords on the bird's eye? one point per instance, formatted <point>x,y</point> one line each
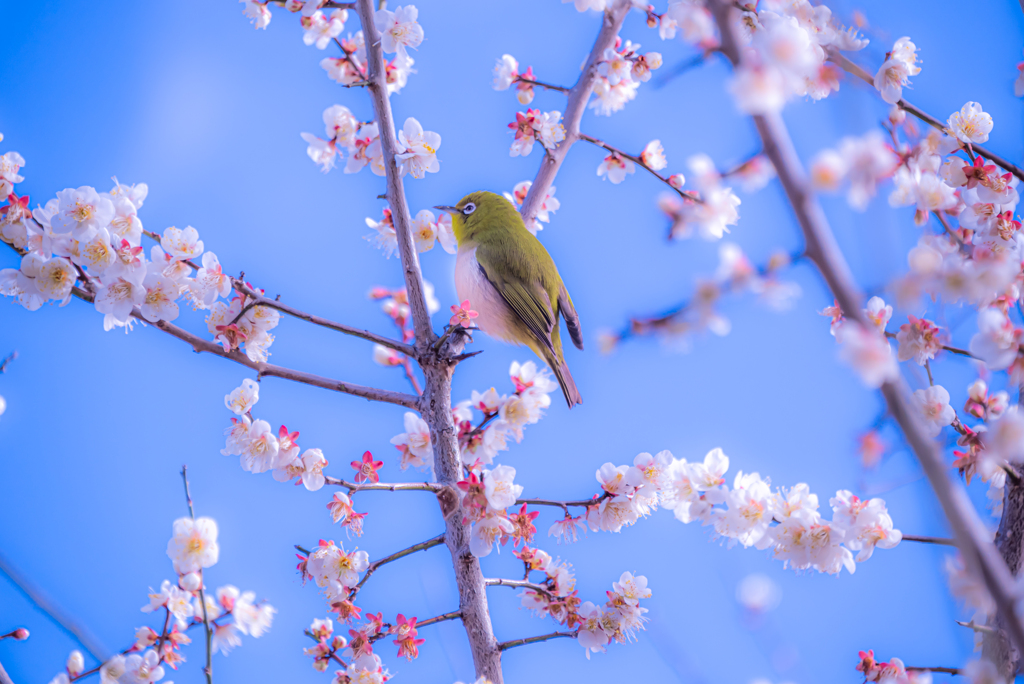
<point>469,209</point>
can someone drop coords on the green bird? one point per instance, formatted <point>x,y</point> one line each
<point>511,281</point>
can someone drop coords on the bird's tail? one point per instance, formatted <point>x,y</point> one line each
<point>561,371</point>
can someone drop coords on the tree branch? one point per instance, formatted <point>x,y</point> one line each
<point>850,67</point>
<point>436,404</point>
<point>692,196</point>
<point>384,486</point>
<point>641,326</point>
<point>373,567</point>
<point>980,555</point>
<point>505,645</point>
<point>454,615</point>
<point>518,584</point>
<point>574,108</point>
<point>378,89</point>
<point>260,300</point>
<point>548,86</point>
<point>585,503</point>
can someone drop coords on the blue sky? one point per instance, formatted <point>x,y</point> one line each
<point>188,98</point>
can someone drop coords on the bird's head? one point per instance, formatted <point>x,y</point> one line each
<point>479,213</point>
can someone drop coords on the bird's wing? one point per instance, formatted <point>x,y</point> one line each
<point>530,303</point>
<point>572,320</point>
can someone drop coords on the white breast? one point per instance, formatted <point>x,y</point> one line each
<point>472,284</point>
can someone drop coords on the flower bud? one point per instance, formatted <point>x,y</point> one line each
<point>320,664</point>
<point>897,116</point>
<point>676,180</point>
<point>76,663</point>
<point>191,581</point>
<point>20,634</point>
<point>339,643</point>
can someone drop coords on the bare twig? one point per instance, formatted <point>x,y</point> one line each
<point>518,584</point>
<point>375,565</point>
<point>505,645</point>
<point>980,555</point>
<point>574,108</point>
<point>929,540</point>
<point>384,486</point>
<point>584,503</point>
<point>548,86</point>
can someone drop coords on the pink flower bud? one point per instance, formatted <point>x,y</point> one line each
<point>676,180</point>
<point>20,634</point>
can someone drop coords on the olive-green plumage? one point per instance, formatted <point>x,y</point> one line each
<point>512,282</point>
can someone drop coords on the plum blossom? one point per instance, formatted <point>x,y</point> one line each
<point>193,545</point>
<point>654,155</point>
<point>970,124</point>
<point>867,352</point>
<point>934,405</point>
<point>420,149</point>
<point>997,340</point>
<point>896,70</point>
<point>506,71</point>
<point>243,398</point>
<point>919,339</point>
<point>615,168</point>
<point>257,12</point>
<point>878,313</point>
<point>320,30</point>
<point>399,29</point>
<point>414,443</point>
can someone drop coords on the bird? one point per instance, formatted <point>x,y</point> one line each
<point>512,282</point>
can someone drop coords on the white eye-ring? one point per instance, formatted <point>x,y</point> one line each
<point>469,209</point>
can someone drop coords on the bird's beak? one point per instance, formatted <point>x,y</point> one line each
<point>450,210</point>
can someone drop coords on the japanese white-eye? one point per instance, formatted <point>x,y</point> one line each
<point>511,281</point>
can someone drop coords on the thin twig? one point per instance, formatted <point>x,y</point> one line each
<point>584,503</point>
<point>208,670</point>
<point>929,540</point>
<point>685,194</point>
<point>947,670</point>
<point>977,628</point>
<point>334,656</point>
<point>641,326</point>
<point>375,565</point>
<point>7,361</point>
<point>561,89</point>
<point>454,615</point>
<point>384,486</point>
<point>518,584</point>
<point>505,645</point>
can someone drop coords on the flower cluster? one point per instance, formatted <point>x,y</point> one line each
<point>399,31</point>
<point>784,521</point>
<point>549,206</point>
<point>714,210</point>
<point>395,303</point>
<point>536,126</point>
<point>506,74</point>
<point>416,153</point>
<point>785,55</point>
<point>621,70</point>
<point>192,548</point>
<point>260,450</point>
<point>860,164</point>
<point>426,230</point>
